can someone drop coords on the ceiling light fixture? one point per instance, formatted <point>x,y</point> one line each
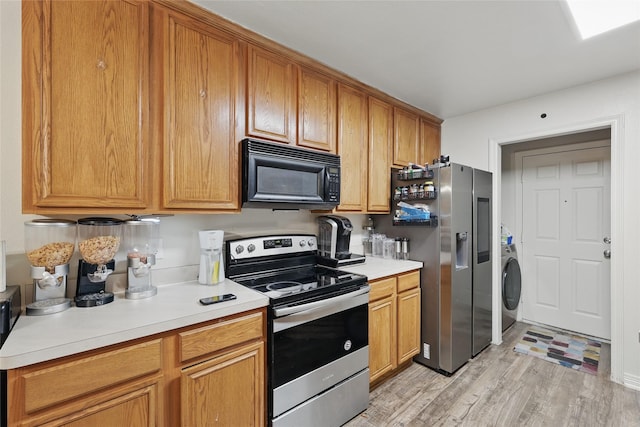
<point>593,17</point>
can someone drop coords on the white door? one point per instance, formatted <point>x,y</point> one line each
<point>565,220</point>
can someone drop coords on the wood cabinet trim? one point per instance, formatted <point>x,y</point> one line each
<point>408,324</point>
<point>408,281</point>
<point>104,370</point>
<point>207,181</point>
<point>286,132</point>
<point>317,116</point>
<point>353,148</point>
<point>380,155</point>
<point>254,353</point>
<point>383,359</point>
<point>38,159</point>
<point>382,288</point>
<point>212,338</point>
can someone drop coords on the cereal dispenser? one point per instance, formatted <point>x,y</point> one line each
<point>141,239</point>
<point>49,245</point>
<point>98,242</point>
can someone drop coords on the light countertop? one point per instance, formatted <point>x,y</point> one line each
<point>37,339</point>
<point>377,268</point>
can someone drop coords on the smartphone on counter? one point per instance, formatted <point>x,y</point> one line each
<point>217,298</point>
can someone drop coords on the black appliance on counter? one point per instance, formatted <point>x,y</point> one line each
<point>10,309</point>
<point>317,326</point>
<point>279,176</point>
<point>334,238</point>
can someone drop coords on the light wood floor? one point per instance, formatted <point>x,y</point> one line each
<point>503,388</point>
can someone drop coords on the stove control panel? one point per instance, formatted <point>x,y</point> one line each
<point>255,247</point>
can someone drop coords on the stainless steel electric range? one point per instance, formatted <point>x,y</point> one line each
<point>318,345</point>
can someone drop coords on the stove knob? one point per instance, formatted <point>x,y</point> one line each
<point>239,249</point>
<point>310,243</point>
<point>251,247</point>
<point>303,243</point>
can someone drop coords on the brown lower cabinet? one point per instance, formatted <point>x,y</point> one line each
<point>394,323</point>
<point>211,373</point>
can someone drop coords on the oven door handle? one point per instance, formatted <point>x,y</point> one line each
<point>284,311</point>
<point>306,313</point>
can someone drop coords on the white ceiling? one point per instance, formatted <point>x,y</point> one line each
<point>445,57</point>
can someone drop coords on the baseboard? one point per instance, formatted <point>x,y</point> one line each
<point>631,381</point>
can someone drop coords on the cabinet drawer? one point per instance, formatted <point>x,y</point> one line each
<point>408,281</point>
<point>382,288</point>
<point>208,339</point>
<point>49,386</point>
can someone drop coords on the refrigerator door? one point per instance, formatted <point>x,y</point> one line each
<point>482,240</point>
<point>455,266</point>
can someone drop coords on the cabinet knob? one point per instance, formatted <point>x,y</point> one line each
<point>203,93</point>
<point>101,65</point>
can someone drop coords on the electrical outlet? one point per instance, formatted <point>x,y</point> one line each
<point>426,351</point>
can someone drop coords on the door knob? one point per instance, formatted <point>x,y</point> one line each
<point>607,253</point>
<point>607,240</point>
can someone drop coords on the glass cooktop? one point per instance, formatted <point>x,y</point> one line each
<point>301,281</point>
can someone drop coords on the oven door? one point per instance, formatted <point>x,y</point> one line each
<point>321,349</point>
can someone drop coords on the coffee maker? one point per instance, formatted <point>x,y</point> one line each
<point>49,245</point>
<point>333,242</point>
<point>98,242</point>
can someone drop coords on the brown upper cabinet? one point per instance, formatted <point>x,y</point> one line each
<point>271,94</point>
<point>429,141</point>
<point>353,148</point>
<point>406,133</point>
<point>200,100</point>
<point>380,146</point>
<point>134,106</point>
<point>85,106</point>
<point>316,110</point>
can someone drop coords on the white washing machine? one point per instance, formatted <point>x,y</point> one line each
<point>511,285</point>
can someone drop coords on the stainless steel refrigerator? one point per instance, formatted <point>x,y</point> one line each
<point>453,242</point>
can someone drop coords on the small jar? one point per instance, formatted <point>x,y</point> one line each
<point>405,248</point>
<point>398,248</point>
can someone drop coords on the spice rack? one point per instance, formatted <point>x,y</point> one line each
<point>413,185</point>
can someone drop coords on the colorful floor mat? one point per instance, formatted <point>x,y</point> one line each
<point>561,348</point>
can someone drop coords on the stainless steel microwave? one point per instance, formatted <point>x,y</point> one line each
<point>280,176</point>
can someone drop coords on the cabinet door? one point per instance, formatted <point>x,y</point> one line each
<point>228,390</point>
<point>136,408</point>
<point>382,337</point>
<point>405,138</point>
<point>271,107</point>
<point>85,106</point>
<point>352,148</point>
<point>429,141</point>
<point>380,145</point>
<point>408,324</point>
<point>316,110</point>
<point>202,83</point>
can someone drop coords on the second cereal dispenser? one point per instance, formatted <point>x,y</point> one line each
<point>98,242</point>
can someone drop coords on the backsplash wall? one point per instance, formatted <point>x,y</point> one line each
<point>179,256</point>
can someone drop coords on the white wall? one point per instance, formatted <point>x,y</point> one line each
<point>469,140</point>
